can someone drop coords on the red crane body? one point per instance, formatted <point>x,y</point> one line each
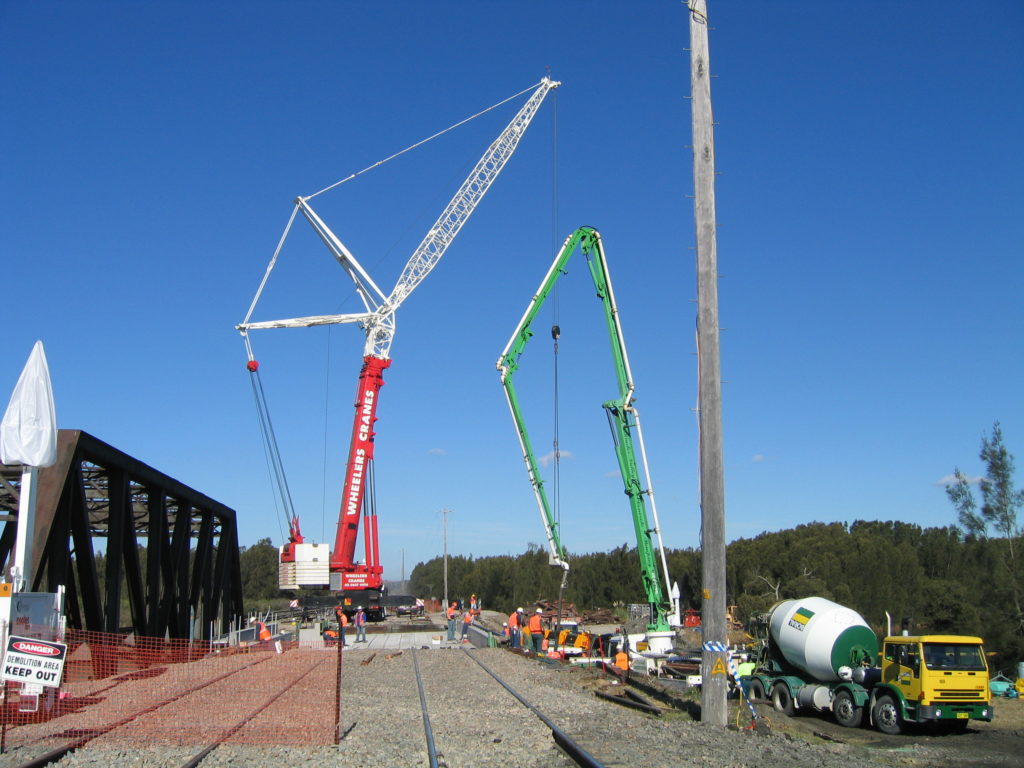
<point>369,574</point>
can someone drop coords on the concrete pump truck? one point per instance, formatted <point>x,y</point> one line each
<point>624,420</point>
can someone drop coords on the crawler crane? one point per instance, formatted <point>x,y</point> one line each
<point>308,565</point>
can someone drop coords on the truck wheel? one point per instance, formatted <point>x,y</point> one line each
<point>887,716</point>
<point>757,690</point>
<point>847,713</point>
<point>783,700</point>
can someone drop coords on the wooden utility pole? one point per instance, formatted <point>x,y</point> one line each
<point>714,667</point>
<point>445,513</point>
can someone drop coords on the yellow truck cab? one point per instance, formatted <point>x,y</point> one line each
<point>940,679</point>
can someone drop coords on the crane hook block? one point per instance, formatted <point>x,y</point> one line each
<point>252,366</point>
<point>555,331</point>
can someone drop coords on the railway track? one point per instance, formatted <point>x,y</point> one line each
<point>440,709</point>
<point>454,711</point>
<point>573,750</point>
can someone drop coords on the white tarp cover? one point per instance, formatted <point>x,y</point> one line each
<point>28,434</point>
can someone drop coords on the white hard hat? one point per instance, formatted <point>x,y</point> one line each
<point>519,610</point>
<point>539,611</point>
<point>504,623</point>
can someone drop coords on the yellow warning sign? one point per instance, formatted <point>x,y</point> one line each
<point>719,668</point>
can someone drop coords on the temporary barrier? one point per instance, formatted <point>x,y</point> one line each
<point>120,691</point>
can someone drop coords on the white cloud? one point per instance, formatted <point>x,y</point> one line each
<point>758,457</point>
<point>437,452</point>
<point>549,458</point>
<point>951,480</point>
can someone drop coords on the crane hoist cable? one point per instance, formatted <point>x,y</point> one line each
<point>556,476</point>
<point>273,456</point>
<point>556,332</point>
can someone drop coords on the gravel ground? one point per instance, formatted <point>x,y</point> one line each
<point>477,723</point>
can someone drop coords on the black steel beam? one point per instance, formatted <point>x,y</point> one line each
<point>93,506</point>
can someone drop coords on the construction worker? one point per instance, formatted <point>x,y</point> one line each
<point>472,603</point>
<point>513,628</point>
<point>743,672</point>
<point>452,614</point>
<point>342,623</point>
<point>262,631</point>
<point>360,622</point>
<point>536,630</point>
<point>467,619</point>
<point>622,658</point>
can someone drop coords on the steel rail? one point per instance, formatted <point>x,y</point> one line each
<point>577,753</point>
<point>427,730</point>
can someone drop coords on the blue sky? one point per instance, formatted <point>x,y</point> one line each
<point>870,245</point>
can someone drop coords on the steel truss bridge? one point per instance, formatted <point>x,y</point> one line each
<point>166,563</point>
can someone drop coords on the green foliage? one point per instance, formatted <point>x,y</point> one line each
<point>939,580</point>
<point>258,567</point>
<point>995,521</point>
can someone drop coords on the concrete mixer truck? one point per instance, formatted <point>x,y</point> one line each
<point>818,655</point>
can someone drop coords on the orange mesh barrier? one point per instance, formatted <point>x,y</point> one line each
<point>122,691</point>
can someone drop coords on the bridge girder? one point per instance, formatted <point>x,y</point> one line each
<point>148,578</point>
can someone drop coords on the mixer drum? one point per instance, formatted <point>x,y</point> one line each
<point>819,636</point>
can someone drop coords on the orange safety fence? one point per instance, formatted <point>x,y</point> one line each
<point>125,691</point>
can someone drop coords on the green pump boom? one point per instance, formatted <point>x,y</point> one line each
<point>623,419</point>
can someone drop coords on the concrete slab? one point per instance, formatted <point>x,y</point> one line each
<point>392,641</point>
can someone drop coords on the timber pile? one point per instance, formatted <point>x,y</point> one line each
<point>600,616</point>
<point>550,612</point>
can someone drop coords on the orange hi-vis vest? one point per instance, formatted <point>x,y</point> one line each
<point>451,612</point>
<point>513,620</point>
<point>342,619</point>
<point>535,624</point>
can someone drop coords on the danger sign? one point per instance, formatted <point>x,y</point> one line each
<point>28,660</point>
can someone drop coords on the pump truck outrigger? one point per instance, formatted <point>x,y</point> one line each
<point>819,655</point>
<point>303,564</point>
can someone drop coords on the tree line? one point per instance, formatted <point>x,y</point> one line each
<point>959,579</point>
<point>966,578</point>
<point>938,579</point>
